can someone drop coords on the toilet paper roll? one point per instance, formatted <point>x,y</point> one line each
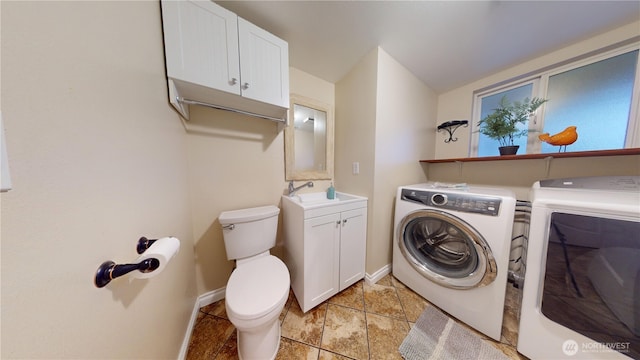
<point>164,249</point>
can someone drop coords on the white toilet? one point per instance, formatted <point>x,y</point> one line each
<point>258,288</point>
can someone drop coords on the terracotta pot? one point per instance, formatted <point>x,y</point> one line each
<point>508,150</point>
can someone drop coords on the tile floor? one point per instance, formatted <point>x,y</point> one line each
<point>362,322</point>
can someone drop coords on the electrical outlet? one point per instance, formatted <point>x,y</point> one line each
<point>356,168</point>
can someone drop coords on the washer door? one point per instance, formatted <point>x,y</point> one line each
<point>446,250</point>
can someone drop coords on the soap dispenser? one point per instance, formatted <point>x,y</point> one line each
<point>331,192</point>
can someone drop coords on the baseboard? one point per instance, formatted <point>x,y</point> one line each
<point>202,300</point>
<point>379,274</point>
<point>211,297</point>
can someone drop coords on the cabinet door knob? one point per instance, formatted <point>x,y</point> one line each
<point>344,221</point>
<point>338,223</point>
<point>245,86</point>
<point>233,81</point>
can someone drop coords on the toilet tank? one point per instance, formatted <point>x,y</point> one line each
<point>248,232</point>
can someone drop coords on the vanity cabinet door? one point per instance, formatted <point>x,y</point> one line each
<point>201,44</point>
<point>321,254</point>
<point>353,246</point>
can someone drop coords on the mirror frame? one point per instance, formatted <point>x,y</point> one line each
<point>291,173</point>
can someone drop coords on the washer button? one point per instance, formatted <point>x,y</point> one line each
<point>439,199</point>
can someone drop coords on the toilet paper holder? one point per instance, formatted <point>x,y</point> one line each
<point>144,244</point>
<point>109,270</point>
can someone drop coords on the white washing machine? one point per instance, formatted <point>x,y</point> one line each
<point>581,295</point>
<point>451,245</point>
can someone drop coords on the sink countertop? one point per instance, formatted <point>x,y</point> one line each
<point>317,204</point>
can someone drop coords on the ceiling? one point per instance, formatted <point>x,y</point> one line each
<point>444,43</point>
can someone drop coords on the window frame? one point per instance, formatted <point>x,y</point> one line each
<point>540,81</point>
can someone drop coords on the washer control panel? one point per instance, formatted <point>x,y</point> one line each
<point>471,203</point>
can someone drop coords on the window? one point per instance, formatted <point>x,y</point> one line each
<point>596,95</point>
<point>487,146</point>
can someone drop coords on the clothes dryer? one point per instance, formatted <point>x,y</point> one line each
<point>581,295</point>
<point>451,245</point>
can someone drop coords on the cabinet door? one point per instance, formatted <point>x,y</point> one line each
<point>264,65</point>
<point>353,246</point>
<point>201,44</point>
<point>321,253</point>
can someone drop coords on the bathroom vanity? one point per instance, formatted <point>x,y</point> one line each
<point>325,244</point>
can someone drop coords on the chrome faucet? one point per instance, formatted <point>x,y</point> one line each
<point>292,190</point>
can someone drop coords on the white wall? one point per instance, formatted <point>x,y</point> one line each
<point>97,160</point>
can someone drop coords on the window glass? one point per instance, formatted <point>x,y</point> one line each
<point>487,146</point>
<point>596,98</point>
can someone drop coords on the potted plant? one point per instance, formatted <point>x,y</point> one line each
<point>502,123</point>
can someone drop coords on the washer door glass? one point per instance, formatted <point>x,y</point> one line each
<point>445,249</point>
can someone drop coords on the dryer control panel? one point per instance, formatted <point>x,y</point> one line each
<point>478,204</point>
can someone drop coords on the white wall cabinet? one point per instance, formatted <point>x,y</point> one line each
<point>325,248</point>
<point>215,57</point>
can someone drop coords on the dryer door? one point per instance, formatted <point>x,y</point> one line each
<point>446,250</point>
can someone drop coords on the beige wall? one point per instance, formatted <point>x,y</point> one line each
<point>519,175</point>
<point>97,160</point>
<point>236,161</point>
<point>405,134</point>
<point>457,104</point>
<point>355,129</point>
<point>385,118</point>
<point>356,126</point>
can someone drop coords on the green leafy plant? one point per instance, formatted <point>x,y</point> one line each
<point>502,123</point>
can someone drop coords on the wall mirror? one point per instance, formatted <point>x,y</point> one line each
<point>309,140</point>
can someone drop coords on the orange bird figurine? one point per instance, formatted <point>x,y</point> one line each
<point>566,137</point>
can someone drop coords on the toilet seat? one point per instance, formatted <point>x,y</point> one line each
<point>257,288</point>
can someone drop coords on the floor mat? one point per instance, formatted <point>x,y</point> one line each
<point>436,336</point>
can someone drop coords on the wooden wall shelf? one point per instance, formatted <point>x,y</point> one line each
<point>632,151</point>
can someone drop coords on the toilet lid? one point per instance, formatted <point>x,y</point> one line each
<point>257,287</point>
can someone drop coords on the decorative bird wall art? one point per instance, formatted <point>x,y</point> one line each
<point>566,137</point>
